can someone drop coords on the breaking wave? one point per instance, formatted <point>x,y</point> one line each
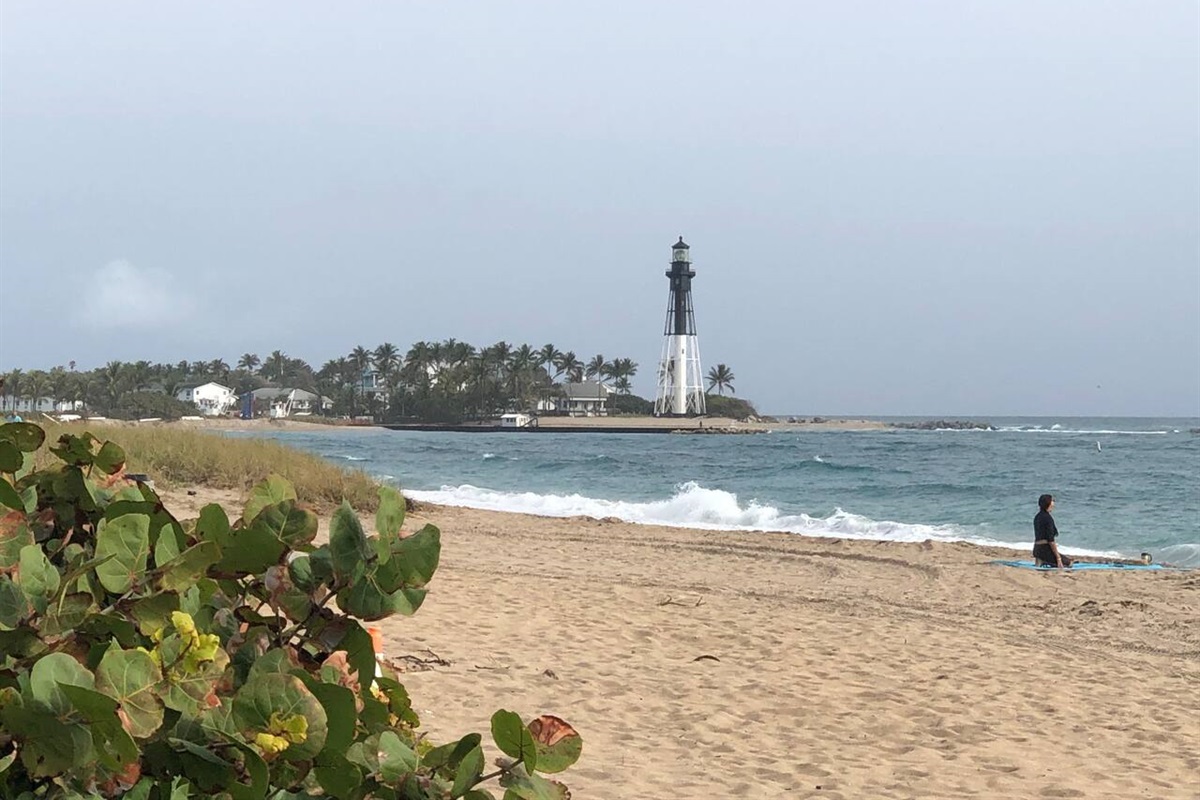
<point>694,506</point>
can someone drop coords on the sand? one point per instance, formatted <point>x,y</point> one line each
<point>701,665</point>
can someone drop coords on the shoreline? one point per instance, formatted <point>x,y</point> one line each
<point>763,664</point>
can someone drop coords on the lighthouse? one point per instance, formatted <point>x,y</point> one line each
<point>680,387</point>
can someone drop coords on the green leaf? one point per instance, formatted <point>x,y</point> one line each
<point>513,738</point>
<point>450,755</point>
<point>26,436</point>
<point>338,777</point>
<point>341,715</point>
<point>468,771</point>
<point>360,654</point>
<point>290,524</point>
<point>110,459</point>
<point>533,787</point>
<point>389,519</point>
<point>412,561</point>
<point>52,670</point>
<point>187,691</point>
<point>15,533</point>
<point>167,548</point>
<point>11,459</point>
<point>154,612</point>
<point>127,540</point>
<point>275,489</point>
<point>366,600</point>
<point>284,695</point>
<point>132,678</point>
<point>114,746</point>
<point>38,578</point>
<point>74,450</point>
<point>558,744</point>
<point>396,759</point>
<point>400,704</point>
<point>301,572</point>
<point>14,605</point>
<point>213,524</point>
<point>191,565</point>
<point>66,614</point>
<point>9,496</point>
<point>348,546</point>
<point>250,551</point>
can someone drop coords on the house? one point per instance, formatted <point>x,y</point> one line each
<point>213,399</point>
<point>514,420</point>
<point>585,399</point>
<point>288,402</point>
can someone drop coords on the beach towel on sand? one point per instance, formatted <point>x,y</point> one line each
<point>1086,565</point>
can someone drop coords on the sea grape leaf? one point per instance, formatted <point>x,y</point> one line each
<point>412,560</point>
<point>301,572</point>
<point>389,519</point>
<point>15,533</point>
<point>52,670</point>
<point>110,459</point>
<point>166,548</point>
<point>366,600</point>
<point>14,605</point>
<point>467,771</point>
<point>348,545</point>
<point>558,744</point>
<point>250,550</point>
<point>154,612</point>
<point>213,524</point>
<point>396,759</point>
<point>131,677</point>
<point>74,450</point>
<point>9,496</point>
<point>264,696</point>
<point>26,436</point>
<point>513,738</point>
<point>341,716</point>
<point>189,566</point>
<point>127,540</point>
<point>528,786</point>
<point>38,578</point>
<point>275,489</point>
<point>116,747</point>
<point>11,459</point>
<point>289,523</point>
<point>66,614</point>
<point>400,704</point>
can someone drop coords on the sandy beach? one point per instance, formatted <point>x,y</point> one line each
<point>699,664</point>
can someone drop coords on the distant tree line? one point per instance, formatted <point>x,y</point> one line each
<point>434,381</point>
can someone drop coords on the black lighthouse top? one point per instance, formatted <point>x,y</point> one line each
<point>679,252</point>
<point>680,320</point>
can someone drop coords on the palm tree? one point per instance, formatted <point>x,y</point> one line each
<point>13,385</point>
<point>112,378</point>
<point>275,365</point>
<point>597,367</point>
<point>722,378</point>
<point>621,370</point>
<point>249,362</point>
<point>387,360</point>
<point>570,365</point>
<point>549,354</point>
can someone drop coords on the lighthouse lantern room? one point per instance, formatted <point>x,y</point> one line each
<point>680,386</point>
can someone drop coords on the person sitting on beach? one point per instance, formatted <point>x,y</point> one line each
<point>1045,534</point>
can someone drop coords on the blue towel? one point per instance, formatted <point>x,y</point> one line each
<point>1085,565</point>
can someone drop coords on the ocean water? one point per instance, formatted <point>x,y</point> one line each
<point>1121,486</point>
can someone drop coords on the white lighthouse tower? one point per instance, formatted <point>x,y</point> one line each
<point>680,386</point>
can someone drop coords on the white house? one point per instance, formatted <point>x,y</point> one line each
<point>290,402</point>
<point>586,398</point>
<point>213,399</point>
<point>514,420</point>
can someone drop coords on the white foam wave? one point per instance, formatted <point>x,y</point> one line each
<point>818,459</point>
<point>1057,429</point>
<point>694,506</point>
<point>488,456</point>
<point>355,458</point>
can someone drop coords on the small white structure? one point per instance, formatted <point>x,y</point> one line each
<point>213,399</point>
<point>290,402</point>
<point>514,420</point>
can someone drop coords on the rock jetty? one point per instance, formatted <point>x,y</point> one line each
<point>944,425</point>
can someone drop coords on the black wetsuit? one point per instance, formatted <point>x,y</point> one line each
<point>1044,530</point>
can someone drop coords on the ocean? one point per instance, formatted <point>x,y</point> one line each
<point>1122,486</point>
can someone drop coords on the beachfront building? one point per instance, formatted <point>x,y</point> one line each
<point>515,420</point>
<point>583,399</point>
<point>680,379</point>
<point>213,399</point>
<point>285,402</point>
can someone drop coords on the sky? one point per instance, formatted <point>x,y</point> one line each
<point>925,208</point>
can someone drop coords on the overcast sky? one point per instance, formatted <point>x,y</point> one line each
<point>933,208</point>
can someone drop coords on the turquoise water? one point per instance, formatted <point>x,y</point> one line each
<point>1122,486</point>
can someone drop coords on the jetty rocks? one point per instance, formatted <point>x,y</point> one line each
<point>944,425</point>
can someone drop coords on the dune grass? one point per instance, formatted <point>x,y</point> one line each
<point>176,457</point>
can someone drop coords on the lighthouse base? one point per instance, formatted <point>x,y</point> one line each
<point>680,382</point>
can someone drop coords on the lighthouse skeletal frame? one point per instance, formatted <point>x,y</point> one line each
<point>680,380</point>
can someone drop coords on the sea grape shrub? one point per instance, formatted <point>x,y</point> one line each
<point>157,659</point>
